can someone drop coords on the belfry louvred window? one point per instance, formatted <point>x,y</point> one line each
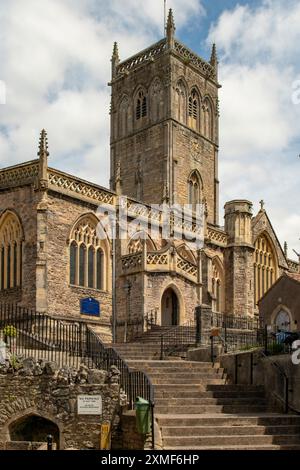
<point>194,109</point>
<point>141,106</point>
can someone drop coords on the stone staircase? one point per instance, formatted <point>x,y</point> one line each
<point>196,409</point>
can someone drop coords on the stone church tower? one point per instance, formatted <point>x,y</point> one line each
<point>164,125</point>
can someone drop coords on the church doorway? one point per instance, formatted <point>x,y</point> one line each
<point>169,308</point>
<point>35,429</point>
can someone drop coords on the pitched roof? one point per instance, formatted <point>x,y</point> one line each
<point>295,276</point>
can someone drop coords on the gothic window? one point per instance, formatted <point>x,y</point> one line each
<point>207,119</point>
<point>123,117</point>
<point>141,106</point>
<point>11,243</point>
<point>73,262</point>
<point>181,102</point>
<point>157,100</point>
<point>194,110</point>
<point>194,190</point>
<point>265,272</point>
<point>217,286</point>
<point>87,258</point>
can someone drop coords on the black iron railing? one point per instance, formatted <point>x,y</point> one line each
<point>236,322</point>
<point>151,319</point>
<point>69,343</point>
<point>178,338</point>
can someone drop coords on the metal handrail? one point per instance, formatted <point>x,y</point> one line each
<point>178,335</point>
<point>285,398</point>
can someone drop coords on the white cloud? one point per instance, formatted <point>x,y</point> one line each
<point>56,64</point>
<point>260,124</point>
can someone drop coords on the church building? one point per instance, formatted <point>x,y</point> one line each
<point>57,251</point>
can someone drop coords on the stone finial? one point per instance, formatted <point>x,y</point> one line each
<point>115,60</point>
<point>170,29</point>
<point>214,59</point>
<point>262,205</point>
<point>43,145</point>
<point>43,155</point>
<point>214,56</point>
<point>285,249</point>
<point>115,55</point>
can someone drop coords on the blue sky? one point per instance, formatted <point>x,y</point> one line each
<point>55,62</point>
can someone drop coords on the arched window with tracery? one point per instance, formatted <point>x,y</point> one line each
<point>141,109</point>
<point>217,286</point>
<point>194,190</point>
<point>207,119</point>
<point>87,258</point>
<point>157,100</point>
<point>123,116</point>
<point>11,247</point>
<point>181,102</point>
<point>194,117</point>
<point>265,267</point>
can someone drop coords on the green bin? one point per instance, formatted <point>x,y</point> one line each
<point>143,416</point>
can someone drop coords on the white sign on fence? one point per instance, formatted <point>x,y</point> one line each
<point>89,405</point>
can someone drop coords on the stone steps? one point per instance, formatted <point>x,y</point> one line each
<point>186,381</point>
<point>182,401</point>
<point>196,409</point>
<point>174,364</point>
<point>196,393</point>
<point>232,420</point>
<point>236,448</point>
<point>221,441</point>
<point>208,409</point>
<point>243,430</point>
<point>186,375</point>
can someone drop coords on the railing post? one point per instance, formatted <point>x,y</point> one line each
<point>161,348</point>
<point>212,356</point>
<point>152,425</point>
<point>251,369</point>
<point>266,339</point>
<point>225,335</point>
<point>50,442</point>
<point>198,325</point>
<point>235,369</point>
<point>286,394</point>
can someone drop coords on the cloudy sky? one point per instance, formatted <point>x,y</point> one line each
<point>55,63</point>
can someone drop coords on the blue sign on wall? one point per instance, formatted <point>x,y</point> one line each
<point>90,307</point>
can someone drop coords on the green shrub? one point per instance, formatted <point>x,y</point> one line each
<point>9,331</point>
<point>14,362</point>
